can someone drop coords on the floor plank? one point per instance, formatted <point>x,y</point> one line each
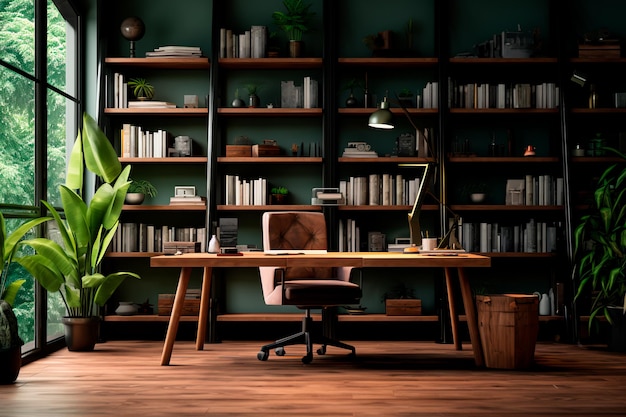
<point>124,378</point>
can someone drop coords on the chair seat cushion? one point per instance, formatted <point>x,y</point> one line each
<point>316,292</point>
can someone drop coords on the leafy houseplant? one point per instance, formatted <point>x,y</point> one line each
<point>138,190</point>
<point>10,341</point>
<point>296,20</point>
<point>72,266</point>
<point>600,244</point>
<point>279,194</point>
<point>142,89</point>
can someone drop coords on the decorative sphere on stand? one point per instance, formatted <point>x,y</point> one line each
<point>133,29</point>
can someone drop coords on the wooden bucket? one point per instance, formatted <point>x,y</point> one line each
<point>508,325</point>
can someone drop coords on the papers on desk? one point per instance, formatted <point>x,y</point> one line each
<point>295,251</point>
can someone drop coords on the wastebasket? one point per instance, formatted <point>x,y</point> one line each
<point>508,326</point>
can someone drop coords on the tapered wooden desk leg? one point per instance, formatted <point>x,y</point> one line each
<point>472,321</point>
<point>177,309</point>
<point>204,308</point>
<point>454,318</point>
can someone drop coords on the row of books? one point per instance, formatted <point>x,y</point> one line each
<point>251,43</point>
<point>503,96</point>
<point>430,94</point>
<point>175,51</point>
<point>140,143</point>
<point>294,96</point>
<point>535,190</point>
<point>142,237</point>
<point>379,189</point>
<point>530,237</point>
<point>245,192</point>
<point>349,236</point>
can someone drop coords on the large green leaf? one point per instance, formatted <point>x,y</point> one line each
<point>42,268</point>
<point>76,217</point>
<point>100,156</point>
<point>99,206</point>
<point>110,284</point>
<point>9,243</point>
<point>54,256</point>
<point>75,170</point>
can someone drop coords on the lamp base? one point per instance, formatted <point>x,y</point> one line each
<point>412,249</point>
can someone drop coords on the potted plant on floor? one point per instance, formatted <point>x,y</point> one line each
<point>600,252</point>
<point>138,190</point>
<point>10,341</point>
<point>72,266</point>
<point>294,22</point>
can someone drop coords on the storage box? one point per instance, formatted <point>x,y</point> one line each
<point>403,307</point>
<point>607,50</point>
<point>238,150</point>
<point>191,306</point>
<point>508,326</point>
<point>170,248</point>
<point>265,150</point>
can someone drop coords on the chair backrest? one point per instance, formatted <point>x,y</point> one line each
<point>296,230</point>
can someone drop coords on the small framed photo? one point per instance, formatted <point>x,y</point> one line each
<point>191,102</point>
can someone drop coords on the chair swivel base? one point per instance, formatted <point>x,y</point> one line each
<point>307,338</point>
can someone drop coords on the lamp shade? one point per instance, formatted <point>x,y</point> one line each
<point>382,118</point>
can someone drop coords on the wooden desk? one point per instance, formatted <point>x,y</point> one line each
<point>355,259</point>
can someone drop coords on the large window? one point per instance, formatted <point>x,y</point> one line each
<point>39,109</point>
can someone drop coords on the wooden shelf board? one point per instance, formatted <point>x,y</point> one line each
<point>271,63</point>
<point>288,317</point>
<point>165,63</point>
<point>267,207</point>
<point>157,111</point>
<point>425,207</point>
<point>597,159</point>
<point>265,112</point>
<point>169,160</point>
<point>504,111</point>
<point>502,207</point>
<point>504,159</point>
<point>598,60</point>
<point>362,111</point>
<point>132,254</point>
<point>270,159</point>
<point>168,207</point>
<point>145,318</point>
<point>387,160</point>
<point>504,61</point>
<point>603,110</point>
<point>389,62</point>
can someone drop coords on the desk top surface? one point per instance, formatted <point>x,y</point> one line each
<point>354,259</point>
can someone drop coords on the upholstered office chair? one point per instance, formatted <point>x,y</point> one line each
<point>306,288</point>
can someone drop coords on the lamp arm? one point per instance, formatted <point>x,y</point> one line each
<point>408,116</point>
<point>450,240</point>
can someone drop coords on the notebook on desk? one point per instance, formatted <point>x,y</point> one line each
<point>295,251</point>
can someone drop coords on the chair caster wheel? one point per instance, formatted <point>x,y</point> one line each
<point>307,358</point>
<point>321,350</point>
<point>280,351</point>
<point>262,355</point>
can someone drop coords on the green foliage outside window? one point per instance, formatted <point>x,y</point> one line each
<point>17,126</point>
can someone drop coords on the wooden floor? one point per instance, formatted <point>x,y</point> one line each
<point>124,378</point>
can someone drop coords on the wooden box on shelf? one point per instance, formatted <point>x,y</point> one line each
<point>607,50</point>
<point>238,150</point>
<point>171,248</point>
<point>265,150</point>
<point>191,306</point>
<point>403,307</point>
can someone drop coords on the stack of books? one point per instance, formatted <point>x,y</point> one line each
<point>149,104</point>
<point>175,52</point>
<point>351,152</point>
<point>196,199</point>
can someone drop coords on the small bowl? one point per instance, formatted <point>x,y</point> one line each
<point>477,197</point>
<point>134,198</point>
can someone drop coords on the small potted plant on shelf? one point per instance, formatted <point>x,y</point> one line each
<point>405,96</point>
<point>600,252</point>
<point>253,98</point>
<point>73,266</point>
<point>294,23</point>
<point>138,190</point>
<point>279,195</point>
<point>142,89</point>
